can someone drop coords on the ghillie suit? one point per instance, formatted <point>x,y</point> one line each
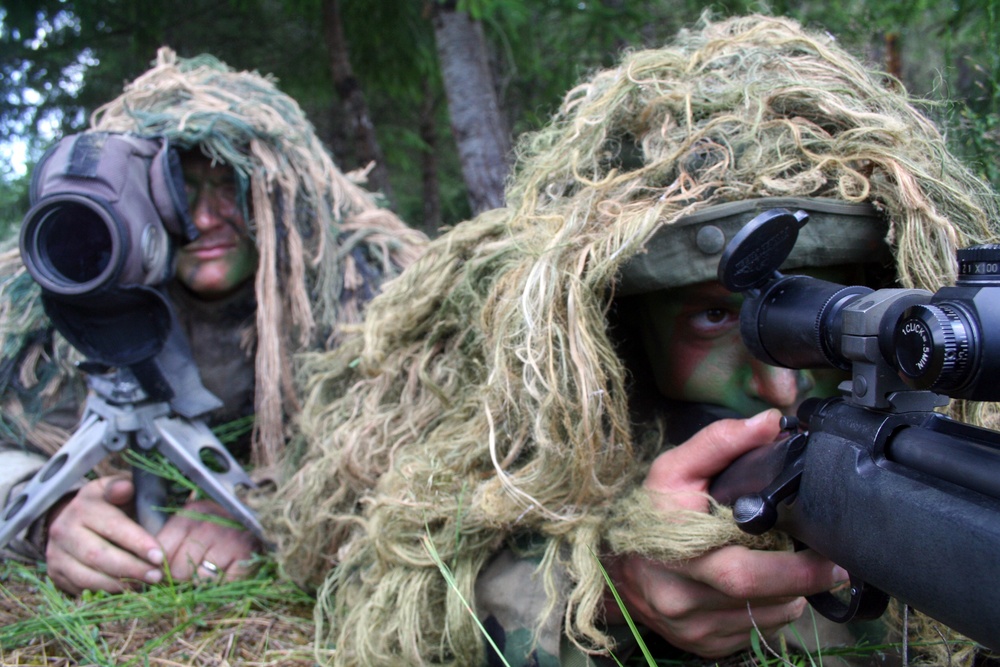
<point>324,245</point>
<point>486,404</point>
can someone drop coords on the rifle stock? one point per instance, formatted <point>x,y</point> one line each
<point>876,494</point>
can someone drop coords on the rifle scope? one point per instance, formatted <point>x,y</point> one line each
<point>947,342</point>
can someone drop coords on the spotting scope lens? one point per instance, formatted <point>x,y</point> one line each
<point>107,210</point>
<point>71,245</point>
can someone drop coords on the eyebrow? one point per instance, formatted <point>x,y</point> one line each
<point>705,290</point>
<point>212,178</point>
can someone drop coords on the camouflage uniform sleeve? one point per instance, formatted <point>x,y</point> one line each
<point>510,600</point>
<point>33,419</point>
<point>41,398</point>
<point>21,457</point>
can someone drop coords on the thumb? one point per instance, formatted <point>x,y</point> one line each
<point>692,464</point>
<point>119,491</point>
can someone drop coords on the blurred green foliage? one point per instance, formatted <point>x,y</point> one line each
<point>62,58</point>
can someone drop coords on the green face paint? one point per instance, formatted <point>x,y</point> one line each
<point>692,340</point>
<point>224,256</point>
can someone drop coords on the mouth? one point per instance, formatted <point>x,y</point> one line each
<point>208,250</point>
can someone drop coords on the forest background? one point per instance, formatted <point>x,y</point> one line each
<point>432,94</point>
<point>429,95</point>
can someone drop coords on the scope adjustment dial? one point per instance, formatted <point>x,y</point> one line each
<point>932,346</point>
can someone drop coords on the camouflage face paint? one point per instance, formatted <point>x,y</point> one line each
<point>224,257</point>
<point>692,340</point>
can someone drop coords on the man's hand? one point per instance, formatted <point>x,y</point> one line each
<point>95,545</point>
<point>194,547</point>
<point>701,605</point>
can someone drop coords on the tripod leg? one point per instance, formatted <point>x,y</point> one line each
<point>85,449</point>
<point>150,495</point>
<point>185,443</point>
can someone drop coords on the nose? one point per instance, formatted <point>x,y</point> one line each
<point>779,387</point>
<point>204,211</point>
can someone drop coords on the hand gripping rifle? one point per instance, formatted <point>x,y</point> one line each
<point>905,499</point>
<point>99,239</point>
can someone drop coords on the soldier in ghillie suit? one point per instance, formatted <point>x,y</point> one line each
<point>507,412</point>
<point>290,250</point>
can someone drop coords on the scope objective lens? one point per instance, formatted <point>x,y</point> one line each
<point>74,244</point>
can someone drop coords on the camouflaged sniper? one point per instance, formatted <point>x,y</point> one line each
<point>486,406</point>
<point>325,246</point>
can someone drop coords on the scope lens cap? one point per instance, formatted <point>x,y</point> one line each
<point>758,250</point>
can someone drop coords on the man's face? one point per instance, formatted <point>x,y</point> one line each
<point>692,339</point>
<point>224,256</point>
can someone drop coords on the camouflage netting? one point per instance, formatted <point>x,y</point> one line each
<point>308,219</point>
<point>485,399</point>
<point>23,358</point>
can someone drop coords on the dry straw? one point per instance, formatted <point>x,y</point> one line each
<point>486,399</point>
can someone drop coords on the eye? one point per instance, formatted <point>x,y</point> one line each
<point>715,315</point>
<point>713,321</point>
<point>226,187</point>
<point>191,192</point>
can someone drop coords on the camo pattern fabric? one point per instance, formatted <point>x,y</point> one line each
<point>510,599</point>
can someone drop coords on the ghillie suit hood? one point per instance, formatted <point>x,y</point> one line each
<point>486,399</point>
<point>324,244</point>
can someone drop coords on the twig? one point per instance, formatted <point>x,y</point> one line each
<point>764,641</point>
<point>906,635</point>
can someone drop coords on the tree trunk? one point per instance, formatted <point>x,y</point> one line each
<point>480,133</point>
<point>893,58</point>
<point>360,126</point>
<point>430,186</point>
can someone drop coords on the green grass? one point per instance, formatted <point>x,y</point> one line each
<point>173,623</point>
<point>261,620</point>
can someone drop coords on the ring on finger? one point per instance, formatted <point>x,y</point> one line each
<point>210,567</point>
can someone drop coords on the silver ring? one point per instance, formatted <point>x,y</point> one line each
<point>210,567</point>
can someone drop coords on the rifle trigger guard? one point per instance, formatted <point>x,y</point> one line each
<point>866,603</point>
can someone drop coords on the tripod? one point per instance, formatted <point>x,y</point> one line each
<point>120,415</point>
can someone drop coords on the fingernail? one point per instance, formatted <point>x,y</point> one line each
<point>153,576</point>
<point>840,575</point>
<point>155,556</point>
<point>759,418</point>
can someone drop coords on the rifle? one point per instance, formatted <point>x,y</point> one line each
<point>904,498</point>
<point>107,211</point>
